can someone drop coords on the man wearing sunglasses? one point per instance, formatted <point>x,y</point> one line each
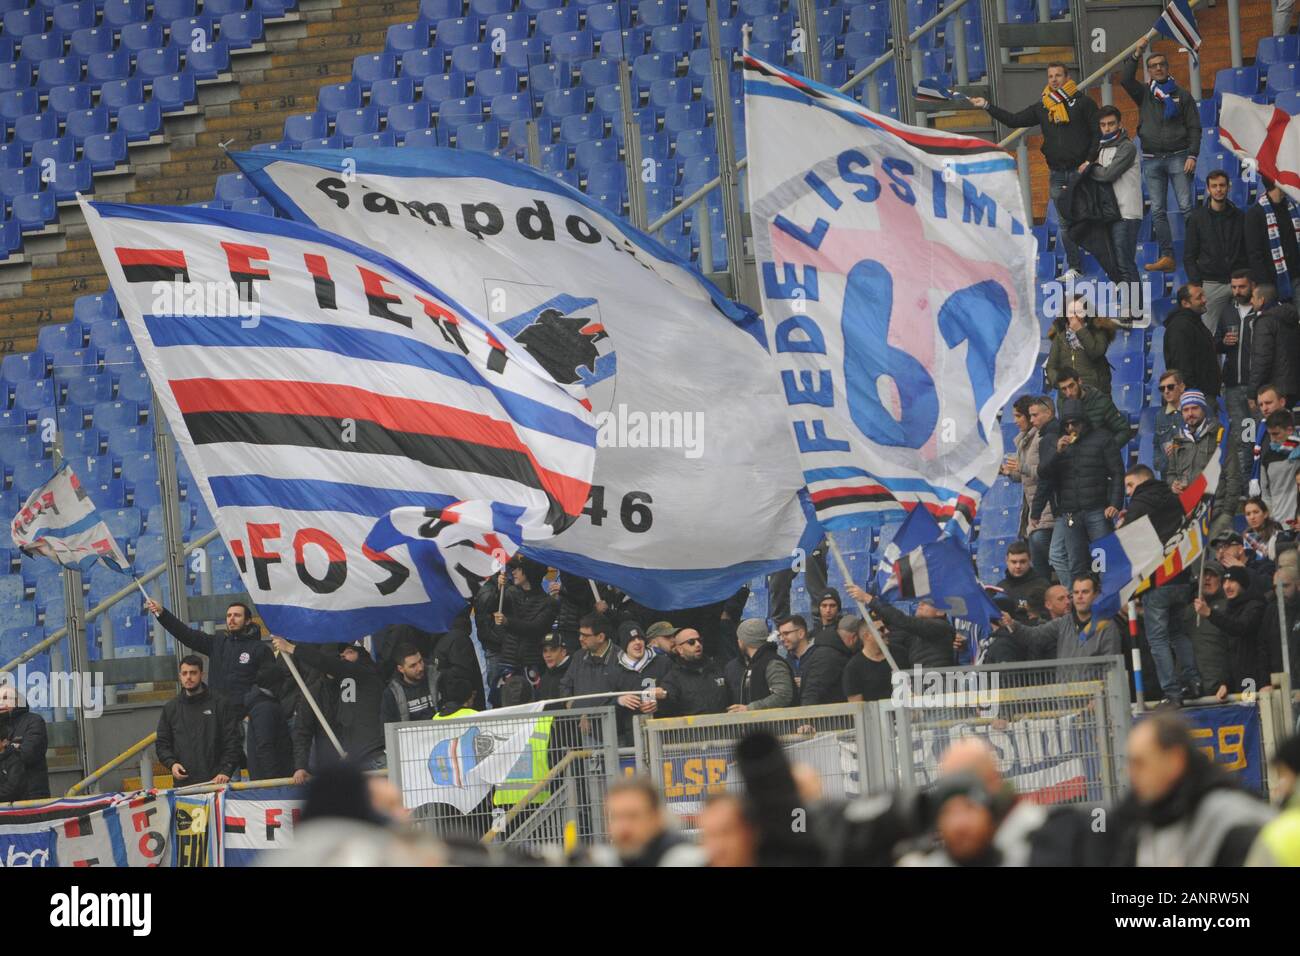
<point>695,685</point>
<point>1169,419</point>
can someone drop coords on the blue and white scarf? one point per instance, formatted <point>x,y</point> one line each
<point>1283,283</point>
<point>1109,138</point>
<point>1164,94</point>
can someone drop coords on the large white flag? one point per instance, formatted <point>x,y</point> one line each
<point>696,486</point>
<point>1263,136</point>
<point>897,279</point>
<point>351,427</point>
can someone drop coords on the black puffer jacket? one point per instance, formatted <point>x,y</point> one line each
<point>821,675</point>
<point>654,673</point>
<point>1275,351</point>
<point>1065,145</point>
<point>694,687</point>
<point>928,640</point>
<point>27,734</point>
<point>1156,500</point>
<point>1088,475</point>
<point>1189,347</point>
<point>1260,252</point>
<point>355,709</point>
<point>234,660</point>
<point>201,732</point>
<point>1248,660</point>
<point>1216,243</point>
<point>529,614</point>
<point>13,775</point>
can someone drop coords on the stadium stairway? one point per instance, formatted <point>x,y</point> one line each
<point>312,46</point>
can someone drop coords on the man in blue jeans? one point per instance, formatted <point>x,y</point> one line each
<point>1163,605</point>
<point>1083,478</point>
<point>1169,126</point>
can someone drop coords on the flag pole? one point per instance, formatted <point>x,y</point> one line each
<point>862,608</point>
<point>1200,584</point>
<point>315,707</point>
<point>594,592</point>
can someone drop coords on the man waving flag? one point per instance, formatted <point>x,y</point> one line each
<point>321,393</point>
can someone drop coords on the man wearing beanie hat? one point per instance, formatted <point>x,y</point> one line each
<point>1195,444</point>
<point>556,655</point>
<point>826,633</point>
<point>759,679</point>
<point>1241,619</point>
<point>1082,477</point>
<point>641,668</point>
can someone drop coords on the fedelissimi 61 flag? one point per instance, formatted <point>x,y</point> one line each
<point>322,393</point>
<point>897,281</point>
<point>694,490</point>
<point>58,521</point>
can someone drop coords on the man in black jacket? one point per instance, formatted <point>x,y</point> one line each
<point>1215,247</point>
<point>695,685</point>
<point>1162,606</point>
<point>1275,351</point>
<point>525,617</point>
<point>555,654</point>
<point>355,710</point>
<point>412,692</point>
<point>817,669</point>
<point>1239,617</point>
<point>27,735</point>
<point>595,670</point>
<point>929,640</point>
<point>1022,585</point>
<point>829,609</point>
<point>1071,135</point>
<point>198,734</point>
<point>1234,340</point>
<point>1264,267</point>
<point>1083,477</point>
<point>759,679</point>
<point>1270,640</point>
<point>1189,346</point>
<point>241,670</point>
<point>1169,125</point>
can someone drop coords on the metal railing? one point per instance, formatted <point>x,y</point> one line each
<point>528,781</point>
<point>1060,728</point>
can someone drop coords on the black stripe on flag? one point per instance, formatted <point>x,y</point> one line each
<point>906,582</point>
<point>153,265</point>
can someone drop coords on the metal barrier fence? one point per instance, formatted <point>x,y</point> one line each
<point>528,781</point>
<point>1059,728</point>
<point>689,758</point>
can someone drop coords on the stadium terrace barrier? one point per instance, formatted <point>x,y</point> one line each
<point>1059,728</point>
<point>524,780</point>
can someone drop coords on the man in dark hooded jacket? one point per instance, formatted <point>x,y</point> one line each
<point>1240,618</point>
<point>1083,478</point>
<point>818,668</point>
<point>1189,345</point>
<point>1275,348</point>
<point>695,685</point>
<point>198,736</point>
<point>27,736</point>
<point>524,618</point>
<point>829,610</point>
<point>929,639</point>
<point>356,707</point>
<point>13,775</point>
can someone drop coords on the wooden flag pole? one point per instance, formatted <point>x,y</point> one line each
<point>315,707</point>
<point>862,608</point>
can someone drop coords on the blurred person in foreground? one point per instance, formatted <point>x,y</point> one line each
<point>1181,809</point>
<point>728,836</point>
<point>979,818</point>
<point>641,832</point>
<point>1279,842</point>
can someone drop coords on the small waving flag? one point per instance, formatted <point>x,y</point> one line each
<point>935,89</point>
<point>1179,23</point>
<point>58,520</point>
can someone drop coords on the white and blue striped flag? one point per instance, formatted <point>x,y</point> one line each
<point>1178,23</point>
<point>322,394</point>
<point>59,521</point>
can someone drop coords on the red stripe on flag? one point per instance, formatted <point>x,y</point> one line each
<point>197,395</point>
<point>827,494</point>
<point>151,257</point>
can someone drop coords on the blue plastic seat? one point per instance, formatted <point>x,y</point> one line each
<point>120,13</point>
<point>859,45</point>
<point>191,33</point>
<point>106,67</point>
<point>175,92</point>
<point>34,395</point>
<point>508,108</point>
<point>74,16</point>
<point>242,30</point>
<point>168,10</point>
<point>428,138</point>
<point>34,127</point>
<point>143,36</point>
<point>92,40</point>
<point>221,8</point>
<point>72,177</point>
<point>470,58</point>
<point>665,93</point>
<point>1270,50</point>
<point>479,137</point>
<point>339,96</point>
<point>61,71</point>
<point>24,23</point>
<point>133,386</point>
<point>492,83</point>
<point>357,122</point>
<point>140,123</point>
<point>551,23</point>
<point>582,127</point>
<point>458,31</point>
<point>42,46</point>
<point>1282,77</point>
<point>332,141</point>
<point>684,116</point>
<point>408,117</point>
<point>89,389</point>
<point>673,39</point>
<point>61,149</point>
<point>460,112</point>
<point>571,47</point>
<point>522,54</point>
<point>432,11</point>
<point>232,186</point>
<point>160,61</point>
<point>401,37</point>
<point>23,367</point>
<point>105,151</point>
<point>654,66</point>
<point>421,66</point>
<point>298,129</point>
<point>111,416</point>
<point>487,8</point>
<point>16,103</point>
<point>210,63</point>
<point>55,338</point>
<point>15,76</point>
<point>504,27</point>
<point>598,72</point>
<point>596,152</point>
<point>1244,81</point>
<point>66,99</point>
<point>11,157</point>
<point>394,92</point>
<point>562,103</point>
<point>657,13</point>
<point>607,16</point>
<point>370,67</point>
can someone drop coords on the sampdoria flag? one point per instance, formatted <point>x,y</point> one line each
<point>1262,134</point>
<point>693,431</point>
<point>317,387</point>
<point>1134,559</point>
<point>59,521</point>
<point>1179,24</point>
<point>896,272</point>
<point>918,528</point>
<point>942,571</point>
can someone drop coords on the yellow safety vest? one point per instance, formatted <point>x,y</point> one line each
<point>463,712</point>
<point>516,786</point>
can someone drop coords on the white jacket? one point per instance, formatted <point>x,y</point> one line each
<point>1117,164</point>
